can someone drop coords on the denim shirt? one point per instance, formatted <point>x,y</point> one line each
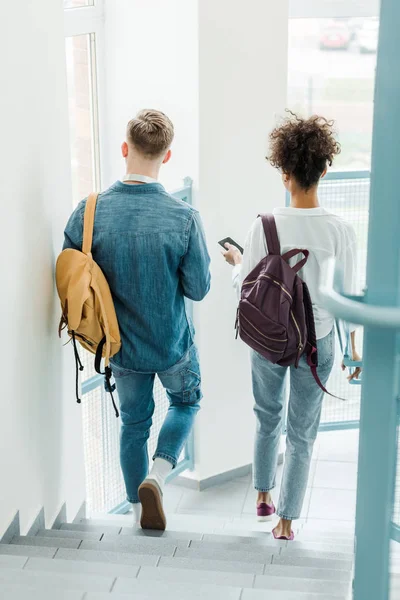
<point>151,248</point>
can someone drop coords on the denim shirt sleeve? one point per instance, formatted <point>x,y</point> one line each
<point>73,233</point>
<point>195,265</point>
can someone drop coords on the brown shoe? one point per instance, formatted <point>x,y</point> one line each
<point>151,498</point>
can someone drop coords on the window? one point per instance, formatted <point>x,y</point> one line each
<point>332,65</point>
<point>82,98</point>
<point>77,3</point>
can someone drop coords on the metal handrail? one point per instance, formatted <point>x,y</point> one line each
<point>355,309</point>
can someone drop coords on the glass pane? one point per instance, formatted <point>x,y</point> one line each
<point>82,97</point>
<point>349,199</point>
<point>332,66</point>
<point>77,3</point>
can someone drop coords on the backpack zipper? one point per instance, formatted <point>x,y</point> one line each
<point>83,338</point>
<point>272,279</point>
<point>263,345</point>
<point>265,336</point>
<point>237,324</point>
<point>300,346</point>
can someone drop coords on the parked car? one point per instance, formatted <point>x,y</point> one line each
<point>336,36</point>
<point>368,36</point>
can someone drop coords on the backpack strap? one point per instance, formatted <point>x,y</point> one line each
<point>288,255</point>
<point>311,347</point>
<point>311,354</point>
<point>271,233</point>
<point>88,223</point>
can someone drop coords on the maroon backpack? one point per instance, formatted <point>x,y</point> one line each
<point>275,315</point>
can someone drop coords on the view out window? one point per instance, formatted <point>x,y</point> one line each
<point>82,98</point>
<point>77,3</point>
<point>332,66</point>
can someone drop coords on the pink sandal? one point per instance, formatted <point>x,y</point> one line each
<point>283,537</point>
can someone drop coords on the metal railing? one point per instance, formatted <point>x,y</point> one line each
<point>346,194</point>
<point>353,193</point>
<point>105,489</point>
<point>378,310</point>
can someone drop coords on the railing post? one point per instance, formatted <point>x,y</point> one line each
<point>377,453</point>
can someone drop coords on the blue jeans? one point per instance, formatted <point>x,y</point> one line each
<point>135,390</point>
<point>303,418</point>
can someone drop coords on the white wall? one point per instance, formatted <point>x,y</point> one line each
<point>243,74</point>
<point>41,460</point>
<point>151,61</point>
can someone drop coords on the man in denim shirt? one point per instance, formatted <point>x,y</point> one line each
<point>152,250</point>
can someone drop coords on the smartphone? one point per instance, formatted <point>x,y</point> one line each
<point>229,240</point>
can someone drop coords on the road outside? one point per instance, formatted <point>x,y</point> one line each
<point>336,83</point>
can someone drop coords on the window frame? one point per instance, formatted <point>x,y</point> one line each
<point>89,20</point>
<point>330,9</point>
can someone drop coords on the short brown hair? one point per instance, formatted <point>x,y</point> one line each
<point>303,148</point>
<point>151,132</point>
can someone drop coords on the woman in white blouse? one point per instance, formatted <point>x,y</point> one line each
<point>302,149</point>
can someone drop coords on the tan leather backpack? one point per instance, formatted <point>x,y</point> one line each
<point>87,306</point>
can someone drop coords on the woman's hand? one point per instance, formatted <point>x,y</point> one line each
<point>232,255</point>
<point>357,372</point>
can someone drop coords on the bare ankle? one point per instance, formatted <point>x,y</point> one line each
<point>264,498</point>
<point>285,526</point>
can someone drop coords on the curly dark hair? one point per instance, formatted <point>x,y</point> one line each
<point>303,148</point>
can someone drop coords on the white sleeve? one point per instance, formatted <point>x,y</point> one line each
<point>347,257</point>
<point>236,279</point>
<point>254,251</point>
<point>348,260</point>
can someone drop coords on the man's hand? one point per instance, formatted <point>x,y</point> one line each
<point>357,372</point>
<point>232,255</point>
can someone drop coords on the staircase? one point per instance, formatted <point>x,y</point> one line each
<point>198,557</point>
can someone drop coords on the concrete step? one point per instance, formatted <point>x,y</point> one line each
<point>300,546</point>
<point>315,586</point>
<point>284,595</point>
<point>257,544</point>
<point>221,579</point>
<point>136,548</point>
<point>63,581</point>
<point>73,535</point>
<point>146,540</point>
<point>307,553</point>
<point>330,527</point>
<point>233,566</point>
<point>156,590</point>
<point>52,542</point>
<point>104,556</point>
<point>179,522</point>
<point>226,539</point>
<point>319,563</point>
<point>264,556</point>
<point>12,562</point>
<point>16,550</point>
<point>186,575</point>
<point>307,572</point>
<point>184,519</point>
<point>25,592</point>
<point>315,535</point>
<point>164,535</point>
<point>114,530</point>
<point>80,566</point>
<point>226,564</point>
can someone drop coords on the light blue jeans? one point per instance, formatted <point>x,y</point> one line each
<point>182,383</point>
<point>303,418</point>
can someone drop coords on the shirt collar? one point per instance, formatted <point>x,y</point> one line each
<point>139,189</point>
<point>301,212</point>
